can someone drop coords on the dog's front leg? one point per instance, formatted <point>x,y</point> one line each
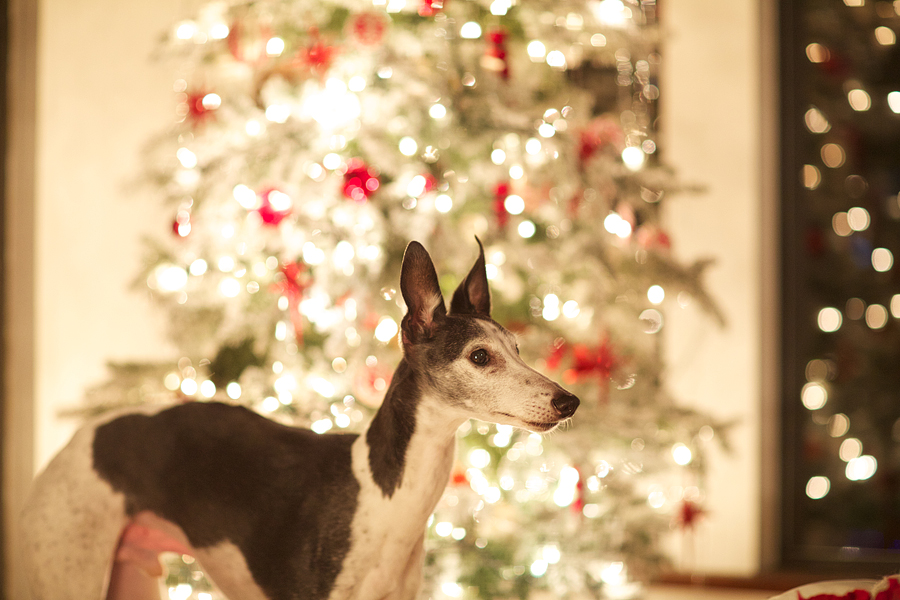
<point>395,580</point>
<point>411,578</point>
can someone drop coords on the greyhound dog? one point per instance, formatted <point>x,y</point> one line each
<point>273,512</point>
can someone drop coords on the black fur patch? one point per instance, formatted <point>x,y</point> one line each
<point>392,428</point>
<point>285,496</point>
<point>394,424</point>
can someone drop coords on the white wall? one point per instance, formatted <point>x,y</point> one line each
<point>710,99</point>
<point>100,98</point>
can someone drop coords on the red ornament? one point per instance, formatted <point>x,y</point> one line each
<point>194,108</point>
<point>560,347</point>
<point>181,227</point>
<point>891,593</point>
<point>592,362</point>
<point>429,8</point>
<point>853,595</point>
<point>652,237</point>
<point>317,56</point>
<point>247,42</point>
<point>586,362</point>
<point>494,58</point>
<point>368,28</point>
<point>688,514</point>
<point>292,282</point>
<point>370,384</point>
<point>602,132</point>
<point>360,181</point>
<point>577,505</point>
<point>458,478</point>
<point>275,205</point>
<point>501,191</point>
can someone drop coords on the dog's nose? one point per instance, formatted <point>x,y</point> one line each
<point>565,404</point>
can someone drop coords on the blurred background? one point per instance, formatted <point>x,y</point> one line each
<point>797,268</point>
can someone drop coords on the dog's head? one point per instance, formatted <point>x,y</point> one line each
<point>467,361</point>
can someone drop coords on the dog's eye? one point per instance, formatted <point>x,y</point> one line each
<point>480,357</point>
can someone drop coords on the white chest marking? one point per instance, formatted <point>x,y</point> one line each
<point>387,532</point>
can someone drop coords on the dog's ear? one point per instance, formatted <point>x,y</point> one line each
<point>422,294</point>
<point>473,295</point>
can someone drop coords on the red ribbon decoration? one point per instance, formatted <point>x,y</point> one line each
<point>689,513</point>
<point>429,8</point>
<point>501,191</point>
<point>270,215</point>
<point>360,181</point>
<point>891,593</point>
<point>294,284</point>
<point>495,55</point>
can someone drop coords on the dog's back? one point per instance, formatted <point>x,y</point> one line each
<point>224,475</point>
<point>71,524</point>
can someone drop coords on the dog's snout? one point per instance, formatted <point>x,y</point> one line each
<point>565,404</point>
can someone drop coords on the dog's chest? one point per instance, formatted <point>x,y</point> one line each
<point>387,532</point>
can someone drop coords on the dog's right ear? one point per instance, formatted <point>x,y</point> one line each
<point>422,294</point>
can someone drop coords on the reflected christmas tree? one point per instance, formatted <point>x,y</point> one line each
<point>842,300</point>
<point>315,139</point>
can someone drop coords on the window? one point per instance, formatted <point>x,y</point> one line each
<point>841,284</point>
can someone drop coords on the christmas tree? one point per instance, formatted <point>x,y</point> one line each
<point>313,140</point>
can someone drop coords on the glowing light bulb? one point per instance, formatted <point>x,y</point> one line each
<point>818,487</point>
<point>185,30</point>
<point>514,204</point>
<point>556,59</point>
<point>830,319</point>
<point>408,146</point>
<point>443,203</point>
<point>633,157</point>
<point>275,46</point>
<point>211,101</point>
<point>526,229</point>
<point>187,158</point>
<point>245,196</point>
<point>219,31</point>
<point>682,454</point>
<point>386,330</point>
<point>170,278</point>
<point>470,30</point>
<point>859,100</point>
<point>536,50</point>
<point>656,294</point>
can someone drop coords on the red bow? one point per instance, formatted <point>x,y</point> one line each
<point>294,284</point>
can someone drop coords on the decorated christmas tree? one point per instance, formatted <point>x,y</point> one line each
<point>314,140</point>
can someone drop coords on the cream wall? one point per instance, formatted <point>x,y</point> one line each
<point>712,124</point>
<point>100,97</point>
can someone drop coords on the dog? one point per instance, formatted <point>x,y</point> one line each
<point>273,512</point>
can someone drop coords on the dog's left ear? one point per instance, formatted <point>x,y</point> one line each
<point>422,294</point>
<point>473,295</point>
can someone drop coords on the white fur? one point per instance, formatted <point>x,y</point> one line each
<point>387,552</point>
<point>72,518</point>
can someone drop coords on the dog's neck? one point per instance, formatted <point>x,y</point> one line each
<point>411,431</point>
